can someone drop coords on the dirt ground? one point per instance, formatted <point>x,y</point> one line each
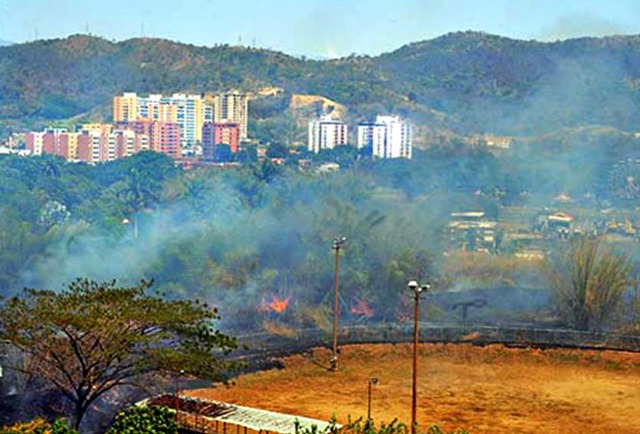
<point>489,389</point>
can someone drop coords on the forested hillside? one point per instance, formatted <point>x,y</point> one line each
<point>238,238</point>
<point>242,237</point>
<point>466,82</point>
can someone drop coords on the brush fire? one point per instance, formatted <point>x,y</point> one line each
<point>274,304</point>
<point>362,308</point>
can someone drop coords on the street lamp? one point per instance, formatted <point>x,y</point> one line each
<point>372,382</point>
<point>337,243</point>
<point>417,290</point>
<point>180,374</point>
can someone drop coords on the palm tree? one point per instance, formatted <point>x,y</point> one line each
<point>138,194</point>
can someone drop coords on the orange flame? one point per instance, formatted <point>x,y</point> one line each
<point>362,308</point>
<point>276,304</point>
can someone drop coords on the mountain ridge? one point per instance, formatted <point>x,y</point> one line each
<point>479,81</point>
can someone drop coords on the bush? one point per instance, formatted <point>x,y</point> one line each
<point>145,420</point>
<point>361,426</point>
<point>589,284</point>
<point>38,426</point>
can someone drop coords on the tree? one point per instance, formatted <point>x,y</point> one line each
<point>138,194</point>
<point>222,153</point>
<point>277,150</point>
<point>247,154</point>
<point>94,337</point>
<point>589,283</point>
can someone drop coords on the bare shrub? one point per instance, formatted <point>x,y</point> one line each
<point>589,283</point>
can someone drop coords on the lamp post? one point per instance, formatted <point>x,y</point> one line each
<point>417,290</point>
<point>372,382</point>
<point>180,373</point>
<point>337,243</point>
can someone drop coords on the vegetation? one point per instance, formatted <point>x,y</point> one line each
<point>590,283</point>
<point>490,271</point>
<point>259,235</point>
<point>145,420</point>
<point>94,337</point>
<point>211,234</point>
<point>241,236</point>
<point>360,426</point>
<point>462,82</point>
<point>38,426</point>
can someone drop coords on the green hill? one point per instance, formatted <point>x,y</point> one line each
<point>466,82</point>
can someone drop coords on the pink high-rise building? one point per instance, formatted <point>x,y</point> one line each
<point>163,136</point>
<point>217,133</point>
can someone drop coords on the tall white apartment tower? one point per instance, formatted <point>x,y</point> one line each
<point>190,116</point>
<point>188,111</point>
<point>387,137</point>
<point>326,133</point>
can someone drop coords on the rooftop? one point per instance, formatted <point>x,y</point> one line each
<point>252,418</point>
<point>468,214</point>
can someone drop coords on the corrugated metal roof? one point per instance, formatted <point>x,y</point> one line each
<point>252,418</point>
<point>257,419</point>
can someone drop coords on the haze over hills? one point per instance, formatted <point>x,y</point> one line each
<point>465,82</point>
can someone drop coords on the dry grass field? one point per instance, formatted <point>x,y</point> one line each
<point>489,389</point>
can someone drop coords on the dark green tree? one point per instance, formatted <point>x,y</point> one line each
<point>247,154</point>
<point>222,153</point>
<point>277,150</point>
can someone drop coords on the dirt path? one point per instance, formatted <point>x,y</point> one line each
<point>483,389</point>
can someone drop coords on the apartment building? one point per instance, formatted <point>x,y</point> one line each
<point>55,141</point>
<point>125,107</point>
<point>188,111</point>
<point>34,142</point>
<point>90,145</point>
<point>163,137</point>
<point>216,133</point>
<point>387,137</point>
<point>326,133</point>
<point>232,107</point>
<point>189,115</point>
<point>95,128</point>
<point>98,148</point>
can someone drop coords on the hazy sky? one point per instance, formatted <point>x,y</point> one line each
<point>316,28</point>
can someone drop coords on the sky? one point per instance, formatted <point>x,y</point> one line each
<point>315,28</point>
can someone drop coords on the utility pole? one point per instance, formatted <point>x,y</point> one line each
<point>337,243</point>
